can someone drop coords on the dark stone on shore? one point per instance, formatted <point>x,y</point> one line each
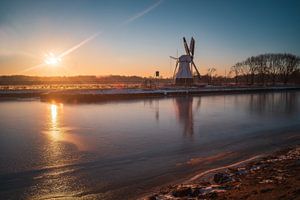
<point>152,197</point>
<point>225,187</point>
<point>182,192</point>
<point>297,192</point>
<point>221,178</point>
<point>212,195</point>
<point>205,183</point>
<point>266,190</point>
<point>196,192</point>
<point>166,190</point>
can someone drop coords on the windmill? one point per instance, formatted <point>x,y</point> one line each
<point>185,65</point>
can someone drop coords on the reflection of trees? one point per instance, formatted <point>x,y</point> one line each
<point>153,104</point>
<point>283,103</point>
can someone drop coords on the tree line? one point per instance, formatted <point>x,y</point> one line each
<point>37,80</point>
<point>267,69</point>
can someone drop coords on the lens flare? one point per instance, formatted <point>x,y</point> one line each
<point>51,59</point>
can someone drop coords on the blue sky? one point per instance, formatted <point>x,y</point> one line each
<point>225,32</point>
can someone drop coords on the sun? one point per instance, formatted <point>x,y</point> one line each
<point>51,59</point>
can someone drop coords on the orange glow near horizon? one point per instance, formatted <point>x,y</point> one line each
<point>99,59</point>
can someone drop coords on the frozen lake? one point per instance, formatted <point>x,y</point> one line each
<point>122,149</point>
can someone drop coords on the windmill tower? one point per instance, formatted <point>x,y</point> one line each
<point>183,73</point>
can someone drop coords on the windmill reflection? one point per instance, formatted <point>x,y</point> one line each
<point>183,110</point>
<point>184,113</point>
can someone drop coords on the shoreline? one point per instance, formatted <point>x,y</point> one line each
<point>96,95</point>
<point>271,176</point>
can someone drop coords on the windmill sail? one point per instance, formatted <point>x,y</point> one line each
<point>186,46</point>
<point>192,46</point>
<point>198,73</point>
<point>175,69</point>
<point>173,57</point>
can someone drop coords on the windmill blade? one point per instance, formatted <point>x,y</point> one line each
<point>192,46</point>
<point>174,58</point>
<point>175,70</point>
<point>186,47</point>
<point>198,74</point>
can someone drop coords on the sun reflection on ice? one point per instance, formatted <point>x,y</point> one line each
<point>54,126</point>
<point>53,182</point>
<point>54,112</point>
<point>59,133</point>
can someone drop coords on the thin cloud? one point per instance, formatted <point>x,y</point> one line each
<point>144,12</point>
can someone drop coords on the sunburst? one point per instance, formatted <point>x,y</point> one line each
<point>51,59</point>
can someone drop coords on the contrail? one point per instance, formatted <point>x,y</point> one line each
<point>79,44</point>
<point>144,12</point>
<point>128,21</point>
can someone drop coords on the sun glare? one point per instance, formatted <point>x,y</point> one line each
<point>51,59</point>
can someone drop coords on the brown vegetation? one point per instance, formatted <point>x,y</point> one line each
<point>272,177</point>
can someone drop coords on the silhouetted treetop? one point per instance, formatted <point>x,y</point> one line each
<point>268,67</point>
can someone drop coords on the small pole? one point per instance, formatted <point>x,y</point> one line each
<point>225,76</point>
<point>157,77</point>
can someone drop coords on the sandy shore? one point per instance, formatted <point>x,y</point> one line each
<point>273,176</point>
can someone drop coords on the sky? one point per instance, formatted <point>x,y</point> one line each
<point>136,37</point>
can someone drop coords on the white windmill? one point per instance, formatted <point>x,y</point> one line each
<point>185,65</point>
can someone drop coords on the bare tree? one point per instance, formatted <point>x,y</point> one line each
<point>235,70</point>
<point>273,63</point>
<point>290,63</point>
<point>265,67</point>
<point>210,73</point>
